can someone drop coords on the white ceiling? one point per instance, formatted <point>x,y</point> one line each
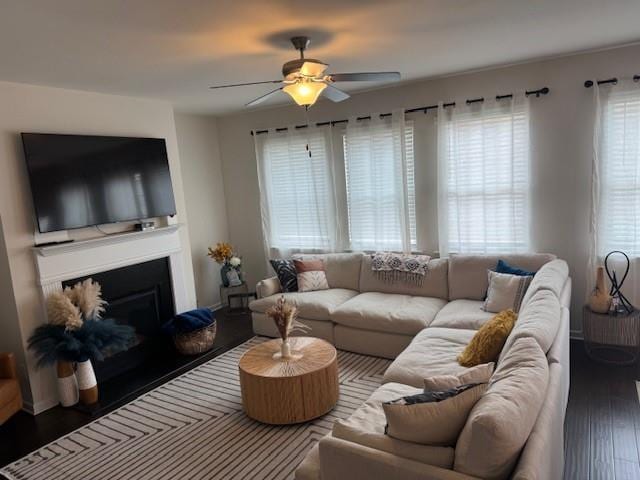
<point>174,50</point>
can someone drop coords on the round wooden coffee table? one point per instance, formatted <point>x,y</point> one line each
<point>299,389</point>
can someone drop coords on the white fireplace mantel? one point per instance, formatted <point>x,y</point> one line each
<point>58,263</point>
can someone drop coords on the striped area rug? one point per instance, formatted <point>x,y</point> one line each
<point>193,428</point>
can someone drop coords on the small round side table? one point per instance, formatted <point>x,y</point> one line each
<point>612,339</point>
<point>279,391</point>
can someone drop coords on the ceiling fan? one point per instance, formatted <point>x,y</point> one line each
<point>305,79</point>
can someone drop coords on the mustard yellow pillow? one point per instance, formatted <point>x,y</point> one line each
<point>487,343</point>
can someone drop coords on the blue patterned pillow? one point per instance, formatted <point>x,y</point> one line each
<point>287,275</point>
<point>504,267</point>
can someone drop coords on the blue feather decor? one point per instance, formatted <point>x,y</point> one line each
<point>91,341</point>
<point>76,332</point>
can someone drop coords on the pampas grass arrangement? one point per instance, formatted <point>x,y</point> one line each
<point>285,315</point>
<point>75,332</point>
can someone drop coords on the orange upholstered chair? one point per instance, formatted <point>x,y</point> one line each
<point>10,396</point>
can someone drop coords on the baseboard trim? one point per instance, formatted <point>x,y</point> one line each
<point>215,306</point>
<point>39,407</point>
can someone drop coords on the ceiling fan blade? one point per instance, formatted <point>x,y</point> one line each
<point>365,77</point>
<point>264,97</point>
<point>335,94</point>
<point>313,69</point>
<point>244,84</point>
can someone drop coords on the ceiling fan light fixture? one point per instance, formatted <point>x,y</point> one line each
<point>305,92</point>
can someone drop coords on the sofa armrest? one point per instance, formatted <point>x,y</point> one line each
<point>8,366</point>
<point>268,287</point>
<point>341,459</point>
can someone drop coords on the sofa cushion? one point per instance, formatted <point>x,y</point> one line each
<point>552,276</point>
<point>432,417</point>
<point>388,312</point>
<point>539,319</point>
<point>432,352</point>
<point>500,423</point>
<point>462,313</point>
<point>367,424</point>
<point>342,269</point>
<point>468,273</point>
<point>316,305</point>
<point>433,285</point>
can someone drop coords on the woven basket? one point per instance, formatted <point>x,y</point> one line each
<point>198,341</point>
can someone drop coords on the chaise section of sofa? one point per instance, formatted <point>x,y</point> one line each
<point>503,438</point>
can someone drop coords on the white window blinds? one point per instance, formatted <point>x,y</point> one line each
<point>619,149</point>
<point>298,209</point>
<point>483,170</point>
<point>379,172</point>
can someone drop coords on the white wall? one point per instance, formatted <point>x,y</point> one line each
<point>205,199</point>
<point>26,108</point>
<point>561,139</point>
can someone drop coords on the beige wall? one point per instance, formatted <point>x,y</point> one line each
<point>205,200</point>
<point>560,137</point>
<point>42,109</point>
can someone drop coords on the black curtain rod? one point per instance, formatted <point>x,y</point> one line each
<point>611,81</point>
<point>537,93</point>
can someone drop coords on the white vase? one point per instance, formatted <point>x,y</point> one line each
<point>67,384</point>
<point>87,383</point>
<point>285,349</point>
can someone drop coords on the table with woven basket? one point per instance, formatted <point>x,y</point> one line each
<point>612,339</point>
<point>284,391</point>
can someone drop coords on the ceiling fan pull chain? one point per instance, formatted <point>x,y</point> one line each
<point>306,118</point>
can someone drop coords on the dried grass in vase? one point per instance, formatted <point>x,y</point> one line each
<point>285,315</point>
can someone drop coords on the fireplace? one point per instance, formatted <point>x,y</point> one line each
<point>141,296</point>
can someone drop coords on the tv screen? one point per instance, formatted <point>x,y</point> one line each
<point>80,180</point>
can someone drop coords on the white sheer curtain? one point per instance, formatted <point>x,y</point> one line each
<point>483,176</point>
<point>379,173</point>
<point>296,190</point>
<point>615,213</point>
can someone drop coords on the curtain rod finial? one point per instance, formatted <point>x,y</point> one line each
<point>588,84</point>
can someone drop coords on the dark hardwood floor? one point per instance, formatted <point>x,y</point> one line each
<point>24,433</point>
<point>602,428</point>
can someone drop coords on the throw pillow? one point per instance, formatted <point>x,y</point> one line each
<point>287,275</point>
<point>504,267</point>
<point>432,418</point>
<point>487,343</point>
<point>505,291</point>
<point>311,275</point>
<point>478,374</point>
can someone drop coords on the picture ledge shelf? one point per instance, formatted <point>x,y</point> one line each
<point>105,240</point>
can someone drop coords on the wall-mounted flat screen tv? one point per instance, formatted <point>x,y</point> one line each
<point>80,180</point>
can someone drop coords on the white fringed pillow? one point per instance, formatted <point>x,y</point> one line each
<point>505,291</point>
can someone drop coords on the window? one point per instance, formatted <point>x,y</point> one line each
<point>483,165</point>
<point>298,190</point>
<point>619,221</point>
<point>379,172</point>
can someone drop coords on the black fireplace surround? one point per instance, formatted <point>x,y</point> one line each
<point>140,296</point>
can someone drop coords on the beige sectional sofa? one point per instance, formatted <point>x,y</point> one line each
<point>515,430</point>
